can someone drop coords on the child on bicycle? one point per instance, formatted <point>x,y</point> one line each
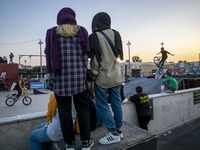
<point>20,85</point>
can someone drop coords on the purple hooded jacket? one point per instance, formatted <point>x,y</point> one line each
<point>65,16</point>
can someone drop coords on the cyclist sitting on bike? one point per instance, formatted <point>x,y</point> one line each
<point>164,56</point>
<point>19,86</point>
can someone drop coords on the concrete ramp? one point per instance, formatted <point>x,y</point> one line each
<point>134,139</point>
<point>150,86</point>
<point>160,73</point>
<point>35,91</point>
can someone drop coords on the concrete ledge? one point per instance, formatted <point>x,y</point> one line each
<point>134,138</point>
<point>24,117</point>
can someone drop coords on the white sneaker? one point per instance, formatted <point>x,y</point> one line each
<point>109,139</point>
<point>120,134</point>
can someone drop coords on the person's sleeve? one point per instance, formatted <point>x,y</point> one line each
<point>133,98</point>
<point>168,52</point>
<point>94,66</point>
<point>164,80</point>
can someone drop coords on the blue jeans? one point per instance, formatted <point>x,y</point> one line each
<point>110,122</point>
<point>39,136</point>
<point>99,122</point>
<point>168,86</point>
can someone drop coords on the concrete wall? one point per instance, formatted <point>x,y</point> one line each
<point>169,110</point>
<point>14,131</point>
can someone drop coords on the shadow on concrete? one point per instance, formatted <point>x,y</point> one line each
<point>134,139</point>
<point>185,137</point>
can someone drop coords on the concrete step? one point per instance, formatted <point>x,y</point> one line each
<point>135,138</point>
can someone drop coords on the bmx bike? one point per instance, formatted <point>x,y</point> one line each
<point>157,60</point>
<point>11,100</point>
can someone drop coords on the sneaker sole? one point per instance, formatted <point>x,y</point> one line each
<point>112,142</point>
<point>121,136</point>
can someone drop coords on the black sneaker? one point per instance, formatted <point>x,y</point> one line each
<point>86,145</point>
<point>169,91</point>
<point>70,146</point>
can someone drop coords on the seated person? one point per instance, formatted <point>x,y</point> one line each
<point>50,131</point>
<point>170,83</point>
<point>141,101</point>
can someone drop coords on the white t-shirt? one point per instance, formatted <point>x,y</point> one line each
<point>53,129</point>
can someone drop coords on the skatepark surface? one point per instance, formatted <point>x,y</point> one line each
<point>39,104</point>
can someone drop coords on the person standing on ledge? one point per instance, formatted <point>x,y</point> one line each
<point>164,56</point>
<point>11,58</point>
<point>67,49</point>
<point>108,77</point>
<point>170,83</point>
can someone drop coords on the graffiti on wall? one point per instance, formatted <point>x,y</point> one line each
<point>184,68</point>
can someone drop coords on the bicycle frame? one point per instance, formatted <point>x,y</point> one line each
<point>24,93</point>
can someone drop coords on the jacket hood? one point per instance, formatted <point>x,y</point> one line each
<point>101,21</point>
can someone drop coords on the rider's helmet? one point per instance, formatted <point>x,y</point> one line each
<point>162,48</point>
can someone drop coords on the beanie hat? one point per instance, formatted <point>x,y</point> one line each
<point>66,16</point>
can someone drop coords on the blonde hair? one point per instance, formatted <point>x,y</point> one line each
<point>67,30</point>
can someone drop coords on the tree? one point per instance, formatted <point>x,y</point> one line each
<point>136,59</point>
<point>36,69</point>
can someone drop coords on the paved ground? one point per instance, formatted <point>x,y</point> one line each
<point>39,103</point>
<point>185,137</point>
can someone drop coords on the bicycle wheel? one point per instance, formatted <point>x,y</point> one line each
<point>26,100</point>
<point>10,101</point>
<point>156,60</point>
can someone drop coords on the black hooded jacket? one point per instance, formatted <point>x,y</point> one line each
<point>102,21</point>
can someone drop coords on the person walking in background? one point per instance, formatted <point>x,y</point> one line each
<point>67,48</point>
<point>108,77</point>
<point>141,101</point>
<point>19,86</point>
<point>170,83</point>
<point>164,56</point>
<point>11,58</point>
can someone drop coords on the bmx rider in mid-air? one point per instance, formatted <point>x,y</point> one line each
<point>164,56</point>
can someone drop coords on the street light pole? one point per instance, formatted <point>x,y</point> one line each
<point>129,43</point>
<point>25,62</point>
<point>40,42</point>
<point>199,59</point>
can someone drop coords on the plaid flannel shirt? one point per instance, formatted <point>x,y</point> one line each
<point>71,79</point>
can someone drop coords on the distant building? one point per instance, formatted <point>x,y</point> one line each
<point>138,69</point>
<point>3,60</point>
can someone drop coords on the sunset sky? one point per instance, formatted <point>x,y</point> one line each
<point>145,23</point>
